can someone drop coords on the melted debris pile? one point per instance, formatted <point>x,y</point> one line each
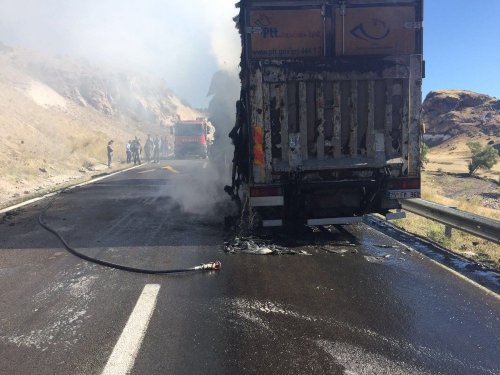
<point>258,246</point>
<point>341,248</point>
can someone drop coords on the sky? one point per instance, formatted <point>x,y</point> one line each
<point>185,42</point>
<point>462,45</point>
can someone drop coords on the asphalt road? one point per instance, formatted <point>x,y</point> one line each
<point>358,304</point>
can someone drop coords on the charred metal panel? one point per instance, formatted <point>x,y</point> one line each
<point>397,119</point>
<point>293,105</point>
<point>303,118</point>
<point>415,115</point>
<point>276,116</point>
<point>345,117</point>
<point>405,131</point>
<point>311,118</point>
<point>280,123</point>
<point>277,71</point>
<point>388,118</point>
<point>380,96</point>
<point>362,113</point>
<point>353,128</point>
<point>328,116</point>
<point>337,121</point>
<point>294,154</point>
<point>370,131</point>
<point>320,122</point>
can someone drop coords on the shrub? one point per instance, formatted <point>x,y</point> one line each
<point>482,157</point>
<point>88,165</point>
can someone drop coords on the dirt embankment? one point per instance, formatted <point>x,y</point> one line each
<point>57,116</point>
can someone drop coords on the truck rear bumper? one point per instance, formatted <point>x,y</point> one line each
<point>330,202</point>
<point>190,148</point>
<point>317,222</point>
<point>267,201</point>
<point>336,220</point>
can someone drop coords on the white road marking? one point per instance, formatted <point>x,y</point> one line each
<point>205,164</point>
<point>123,357</point>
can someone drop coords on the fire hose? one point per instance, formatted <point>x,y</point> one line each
<point>211,266</point>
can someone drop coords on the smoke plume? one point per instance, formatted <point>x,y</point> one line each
<point>183,42</point>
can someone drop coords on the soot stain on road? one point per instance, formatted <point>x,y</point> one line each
<point>61,322</point>
<point>350,348</point>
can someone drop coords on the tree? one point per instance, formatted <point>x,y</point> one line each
<point>482,157</point>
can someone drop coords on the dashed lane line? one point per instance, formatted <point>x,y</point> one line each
<point>205,165</point>
<point>170,169</point>
<point>123,357</point>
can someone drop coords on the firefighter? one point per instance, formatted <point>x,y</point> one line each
<point>136,151</point>
<point>110,153</point>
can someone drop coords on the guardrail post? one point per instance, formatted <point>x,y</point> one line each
<point>447,231</point>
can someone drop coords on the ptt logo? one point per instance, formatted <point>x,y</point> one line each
<point>264,23</point>
<point>373,30</point>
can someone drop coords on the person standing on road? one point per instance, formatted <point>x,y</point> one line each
<point>110,153</point>
<point>136,151</point>
<point>129,151</point>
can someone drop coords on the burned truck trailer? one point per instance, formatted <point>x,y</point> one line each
<point>329,119</point>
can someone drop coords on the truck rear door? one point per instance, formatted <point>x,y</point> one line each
<point>335,87</point>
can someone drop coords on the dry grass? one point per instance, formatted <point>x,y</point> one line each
<point>461,243</point>
<point>454,156</point>
<point>445,182</point>
<point>46,147</point>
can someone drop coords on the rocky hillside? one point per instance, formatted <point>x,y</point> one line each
<point>117,94</point>
<point>57,115</point>
<point>452,119</point>
<point>449,113</point>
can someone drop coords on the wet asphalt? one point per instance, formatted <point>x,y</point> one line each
<point>358,303</point>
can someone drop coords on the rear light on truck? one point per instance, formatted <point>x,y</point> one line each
<point>404,184</point>
<point>265,191</point>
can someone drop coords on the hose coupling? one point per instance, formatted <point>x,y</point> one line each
<point>213,266</point>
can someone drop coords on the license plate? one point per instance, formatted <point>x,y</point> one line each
<point>403,194</point>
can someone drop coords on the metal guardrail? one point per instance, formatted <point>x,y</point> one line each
<point>479,226</point>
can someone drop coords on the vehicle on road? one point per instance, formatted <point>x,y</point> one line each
<point>329,119</point>
<point>193,138</point>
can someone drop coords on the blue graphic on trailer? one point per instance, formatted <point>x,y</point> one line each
<point>377,30</point>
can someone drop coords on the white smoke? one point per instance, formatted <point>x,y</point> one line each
<point>225,39</point>
<point>185,42</point>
